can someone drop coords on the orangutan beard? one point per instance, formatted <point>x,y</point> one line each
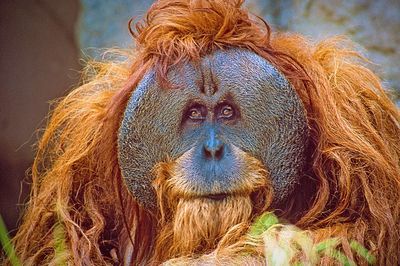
<point>193,225</point>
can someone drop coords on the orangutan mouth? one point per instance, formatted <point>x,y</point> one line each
<point>218,196</point>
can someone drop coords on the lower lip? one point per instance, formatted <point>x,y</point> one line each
<point>220,196</point>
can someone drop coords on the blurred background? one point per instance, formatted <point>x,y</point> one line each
<point>42,43</point>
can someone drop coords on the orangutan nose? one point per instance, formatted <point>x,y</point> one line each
<point>213,147</point>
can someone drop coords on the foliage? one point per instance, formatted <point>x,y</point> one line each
<point>7,245</point>
<point>288,245</point>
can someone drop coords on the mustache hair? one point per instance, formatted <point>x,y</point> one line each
<point>192,224</point>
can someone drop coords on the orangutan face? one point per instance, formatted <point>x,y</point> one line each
<point>225,120</point>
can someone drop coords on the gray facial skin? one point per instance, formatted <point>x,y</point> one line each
<point>269,123</point>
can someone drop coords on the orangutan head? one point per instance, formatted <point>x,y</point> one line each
<point>211,121</point>
<point>230,125</point>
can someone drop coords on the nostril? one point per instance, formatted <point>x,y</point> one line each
<point>219,152</point>
<point>214,153</point>
<point>207,153</point>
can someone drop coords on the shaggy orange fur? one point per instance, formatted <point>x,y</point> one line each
<point>196,225</point>
<point>353,177</point>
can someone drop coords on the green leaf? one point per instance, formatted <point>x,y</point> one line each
<point>7,245</point>
<point>362,252</point>
<point>327,244</point>
<point>59,244</point>
<point>262,223</point>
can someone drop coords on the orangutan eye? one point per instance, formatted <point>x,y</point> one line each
<point>196,113</point>
<point>227,112</point>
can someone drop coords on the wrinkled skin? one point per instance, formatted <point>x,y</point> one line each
<point>232,101</point>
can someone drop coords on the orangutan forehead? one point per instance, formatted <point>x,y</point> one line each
<point>235,70</point>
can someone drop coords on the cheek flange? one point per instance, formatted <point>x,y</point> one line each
<point>136,169</point>
<point>276,129</point>
<point>149,133</point>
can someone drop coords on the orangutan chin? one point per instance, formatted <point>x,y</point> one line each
<point>212,120</point>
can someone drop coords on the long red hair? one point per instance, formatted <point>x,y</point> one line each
<point>353,176</point>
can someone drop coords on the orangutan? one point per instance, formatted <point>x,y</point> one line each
<point>213,120</point>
